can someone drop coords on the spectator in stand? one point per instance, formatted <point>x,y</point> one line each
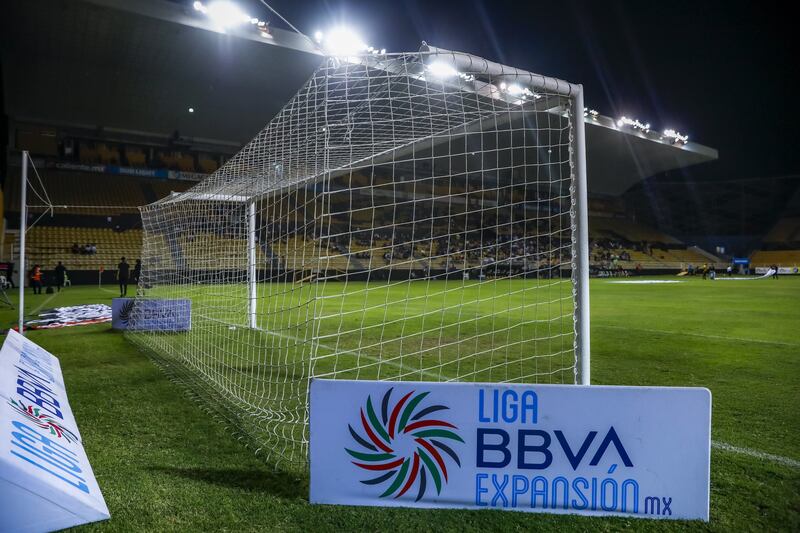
<point>61,275</point>
<point>93,249</point>
<point>87,249</point>
<point>123,274</point>
<point>75,248</point>
<point>137,271</point>
<point>36,279</point>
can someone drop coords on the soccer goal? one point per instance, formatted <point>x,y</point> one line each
<point>417,216</point>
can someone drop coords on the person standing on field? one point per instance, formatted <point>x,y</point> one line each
<point>36,279</point>
<point>137,271</point>
<point>123,275</point>
<point>61,275</point>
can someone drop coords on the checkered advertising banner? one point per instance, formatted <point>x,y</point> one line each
<point>625,451</point>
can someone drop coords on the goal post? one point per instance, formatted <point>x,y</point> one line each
<point>580,222</point>
<point>417,216</point>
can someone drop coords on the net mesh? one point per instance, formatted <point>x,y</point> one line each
<point>389,223</point>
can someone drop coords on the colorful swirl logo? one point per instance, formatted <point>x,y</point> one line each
<point>404,445</point>
<point>34,415</point>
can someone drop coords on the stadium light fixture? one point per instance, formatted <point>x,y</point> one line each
<point>442,70</point>
<point>191,110</point>
<point>318,36</point>
<point>675,136</point>
<point>635,124</point>
<point>227,14</point>
<point>224,14</point>
<point>342,41</point>
<point>515,89</point>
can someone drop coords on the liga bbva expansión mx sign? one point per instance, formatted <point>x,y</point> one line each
<point>46,482</point>
<point>633,451</point>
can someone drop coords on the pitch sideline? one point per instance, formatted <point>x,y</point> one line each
<point>704,335</point>
<point>785,461</point>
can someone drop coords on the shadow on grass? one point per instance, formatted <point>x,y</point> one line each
<point>278,484</point>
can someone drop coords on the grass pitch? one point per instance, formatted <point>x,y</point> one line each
<point>164,465</point>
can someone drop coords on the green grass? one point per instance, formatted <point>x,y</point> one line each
<point>164,465</point>
<point>492,331</point>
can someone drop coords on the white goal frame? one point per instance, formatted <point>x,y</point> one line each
<point>290,196</point>
<point>463,61</point>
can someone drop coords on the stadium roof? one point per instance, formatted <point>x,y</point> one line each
<point>138,66</point>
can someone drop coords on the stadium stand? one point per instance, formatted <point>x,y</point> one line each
<point>627,230</point>
<point>787,230</point>
<point>100,191</point>
<point>207,164</point>
<point>89,208</point>
<point>49,244</point>
<point>177,160</point>
<point>135,156</point>
<point>618,243</point>
<point>782,258</point>
<point>781,244</point>
<point>621,243</point>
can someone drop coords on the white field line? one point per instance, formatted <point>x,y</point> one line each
<point>45,302</point>
<point>703,335</point>
<point>785,461</point>
<point>724,446</point>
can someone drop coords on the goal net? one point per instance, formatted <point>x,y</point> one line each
<point>403,217</point>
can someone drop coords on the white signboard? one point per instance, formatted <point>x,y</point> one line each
<point>781,270</point>
<point>631,451</point>
<point>46,482</point>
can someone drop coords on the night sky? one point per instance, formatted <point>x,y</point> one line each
<point>720,71</point>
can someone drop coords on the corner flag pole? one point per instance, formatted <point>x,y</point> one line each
<point>23,216</point>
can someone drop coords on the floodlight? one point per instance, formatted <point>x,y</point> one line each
<point>191,110</point>
<point>675,136</point>
<point>226,14</point>
<point>515,89</point>
<point>442,70</point>
<point>318,36</point>
<point>343,41</point>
